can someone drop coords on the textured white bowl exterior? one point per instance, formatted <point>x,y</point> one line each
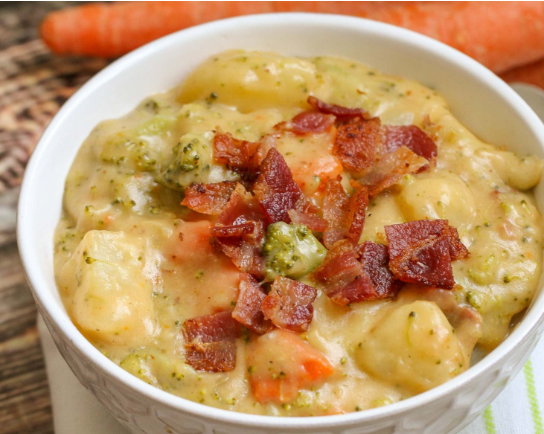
<point>477,97</point>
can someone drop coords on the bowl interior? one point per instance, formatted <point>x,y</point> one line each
<point>477,97</point>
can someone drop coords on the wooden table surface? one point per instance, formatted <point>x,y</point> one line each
<point>33,85</point>
<point>25,406</point>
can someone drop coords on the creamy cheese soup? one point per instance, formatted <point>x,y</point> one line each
<point>343,243</point>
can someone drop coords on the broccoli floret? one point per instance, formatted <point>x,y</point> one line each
<point>291,250</point>
<point>192,162</point>
<point>137,365</point>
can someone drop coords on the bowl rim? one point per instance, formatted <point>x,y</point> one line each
<point>531,321</point>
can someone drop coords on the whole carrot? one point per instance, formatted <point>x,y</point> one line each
<point>501,35</point>
<point>532,74</point>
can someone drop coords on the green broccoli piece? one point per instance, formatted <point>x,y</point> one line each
<point>193,162</point>
<point>137,365</point>
<point>291,250</point>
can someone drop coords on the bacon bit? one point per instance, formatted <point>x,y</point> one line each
<point>211,357</point>
<point>348,280</point>
<point>248,306</point>
<point>311,122</point>
<point>375,259</point>
<point>457,248</point>
<point>345,216</point>
<point>233,153</point>
<point>390,169</point>
<point>275,188</point>
<point>312,221</point>
<point>241,208</point>
<point>334,203</point>
<point>208,198</point>
<point>339,268</point>
<point>289,304</point>
<point>336,110</point>
<point>357,143</point>
<point>211,328</point>
<point>211,342</point>
<point>245,255</point>
<point>232,232</point>
<point>412,137</point>
<point>421,252</point>
<point>355,214</point>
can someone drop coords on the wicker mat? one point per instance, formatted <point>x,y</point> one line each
<point>33,85</point>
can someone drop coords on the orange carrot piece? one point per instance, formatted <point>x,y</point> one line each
<point>281,363</point>
<point>110,30</point>
<point>532,74</point>
<point>501,35</point>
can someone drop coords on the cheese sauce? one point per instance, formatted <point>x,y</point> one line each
<point>132,264</point>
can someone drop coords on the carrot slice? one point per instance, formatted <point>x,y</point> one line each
<point>280,364</point>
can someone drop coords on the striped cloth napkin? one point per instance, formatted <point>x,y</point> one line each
<point>517,410</point>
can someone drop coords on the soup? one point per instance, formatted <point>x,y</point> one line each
<point>296,237</point>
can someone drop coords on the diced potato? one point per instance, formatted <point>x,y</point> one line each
<point>499,283</point>
<point>254,80</point>
<point>441,195</point>
<point>515,170</point>
<point>380,213</point>
<point>110,281</point>
<point>202,118</point>
<point>391,98</point>
<point>414,346</point>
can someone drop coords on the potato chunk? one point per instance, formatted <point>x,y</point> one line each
<point>254,80</point>
<point>515,170</point>
<point>438,197</point>
<point>413,345</point>
<point>110,280</point>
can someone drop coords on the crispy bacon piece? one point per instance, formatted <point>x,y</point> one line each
<point>339,268</point>
<point>275,188</point>
<point>248,306</point>
<point>412,137</point>
<point>211,357</point>
<point>210,343</point>
<point>336,110</point>
<point>244,254</point>
<point>232,234</point>
<point>233,230</point>
<point>211,328</point>
<point>390,169</point>
<point>311,122</point>
<point>357,143</point>
<point>312,221</point>
<point>289,304</point>
<point>208,198</point>
<point>348,279</point>
<point>233,153</point>
<point>421,252</point>
<point>345,215</point>
<point>375,260</point>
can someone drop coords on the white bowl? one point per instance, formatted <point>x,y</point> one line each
<point>477,97</point>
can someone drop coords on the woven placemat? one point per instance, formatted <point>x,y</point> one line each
<point>34,84</point>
